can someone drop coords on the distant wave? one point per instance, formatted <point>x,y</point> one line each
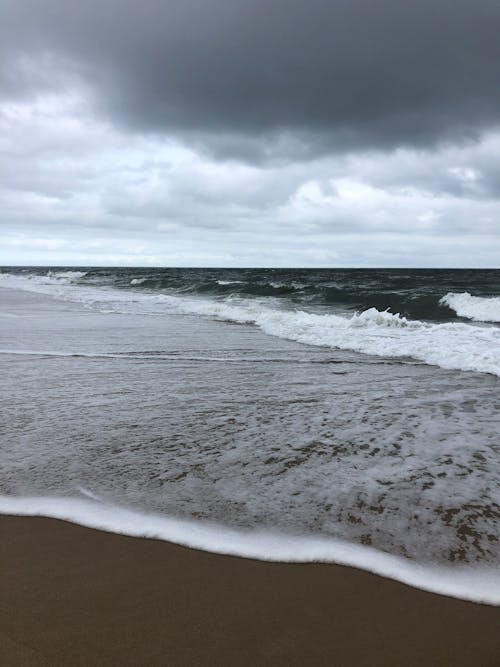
<point>229,282</point>
<point>477,308</point>
<point>24,280</point>
<point>466,582</point>
<point>66,276</point>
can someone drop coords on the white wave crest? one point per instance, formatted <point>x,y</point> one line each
<point>138,281</point>
<point>466,583</point>
<point>477,308</point>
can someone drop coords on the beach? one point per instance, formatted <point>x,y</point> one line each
<point>75,596</point>
<point>221,494</point>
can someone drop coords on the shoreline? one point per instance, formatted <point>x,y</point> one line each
<point>473,584</point>
<point>71,595</point>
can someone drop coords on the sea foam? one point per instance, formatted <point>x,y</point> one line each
<point>477,308</point>
<point>466,583</point>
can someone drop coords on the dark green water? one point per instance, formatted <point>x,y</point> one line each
<point>415,294</point>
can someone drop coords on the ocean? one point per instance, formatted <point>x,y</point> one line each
<point>346,415</point>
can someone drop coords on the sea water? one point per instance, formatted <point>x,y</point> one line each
<point>348,416</point>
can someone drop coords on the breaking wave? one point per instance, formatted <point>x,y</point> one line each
<point>477,308</point>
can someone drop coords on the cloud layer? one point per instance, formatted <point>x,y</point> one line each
<point>250,133</point>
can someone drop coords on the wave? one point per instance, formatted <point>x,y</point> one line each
<point>466,583</point>
<point>229,282</point>
<point>66,276</point>
<point>477,308</point>
<point>25,280</point>
<point>451,345</point>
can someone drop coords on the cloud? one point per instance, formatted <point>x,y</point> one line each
<point>269,80</point>
<point>238,133</point>
<point>75,189</point>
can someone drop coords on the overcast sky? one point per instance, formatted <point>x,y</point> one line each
<point>250,132</point>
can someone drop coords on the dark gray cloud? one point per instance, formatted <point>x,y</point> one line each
<point>260,78</point>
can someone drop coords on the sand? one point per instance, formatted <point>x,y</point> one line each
<point>75,596</point>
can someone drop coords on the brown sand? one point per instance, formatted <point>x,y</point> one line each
<point>74,596</point>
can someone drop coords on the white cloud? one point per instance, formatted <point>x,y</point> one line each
<point>74,190</point>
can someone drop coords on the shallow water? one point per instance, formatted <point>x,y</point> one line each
<point>177,416</point>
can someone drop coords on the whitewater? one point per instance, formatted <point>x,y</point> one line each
<point>479,309</point>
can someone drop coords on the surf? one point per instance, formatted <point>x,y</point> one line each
<point>449,345</point>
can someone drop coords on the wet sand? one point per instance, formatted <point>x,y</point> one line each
<point>75,596</point>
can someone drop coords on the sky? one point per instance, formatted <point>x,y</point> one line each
<point>304,133</point>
